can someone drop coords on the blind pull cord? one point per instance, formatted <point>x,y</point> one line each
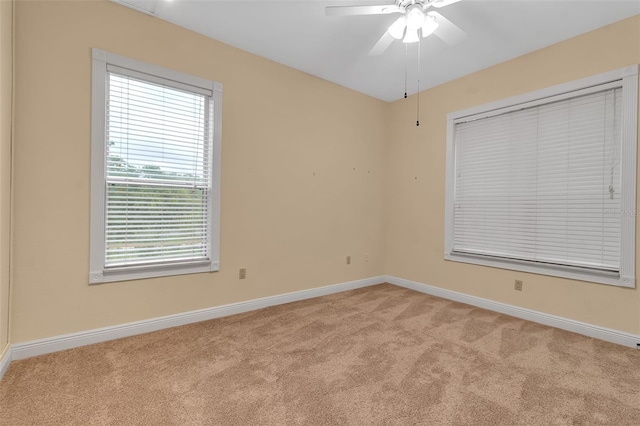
<point>611,189</point>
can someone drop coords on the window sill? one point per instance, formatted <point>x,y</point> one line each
<point>154,271</point>
<point>569,272</point>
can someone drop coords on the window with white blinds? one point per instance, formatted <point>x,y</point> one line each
<point>540,186</point>
<point>158,192</point>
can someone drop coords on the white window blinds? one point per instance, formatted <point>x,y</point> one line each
<point>543,183</point>
<point>158,170</point>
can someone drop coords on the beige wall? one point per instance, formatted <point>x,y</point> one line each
<point>416,186</point>
<point>290,228</point>
<point>6,63</point>
<point>311,173</point>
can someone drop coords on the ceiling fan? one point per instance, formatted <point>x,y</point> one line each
<point>414,19</point>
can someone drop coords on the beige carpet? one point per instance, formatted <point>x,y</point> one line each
<point>378,355</point>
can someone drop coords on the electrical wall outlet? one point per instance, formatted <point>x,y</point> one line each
<point>518,285</point>
<point>366,257</point>
<point>348,260</point>
<point>243,273</point>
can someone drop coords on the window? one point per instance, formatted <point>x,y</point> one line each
<point>155,171</point>
<point>546,182</point>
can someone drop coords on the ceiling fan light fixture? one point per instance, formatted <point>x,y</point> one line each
<point>396,30</point>
<point>430,25</point>
<point>411,36</point>
<point>415,18</point>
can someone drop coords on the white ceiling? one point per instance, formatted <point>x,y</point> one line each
<point>298,34</point>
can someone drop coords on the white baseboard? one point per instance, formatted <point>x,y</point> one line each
<point>74,340</point>
<point>5,360</point>
<point>83,338</point>
<point>597,332</point>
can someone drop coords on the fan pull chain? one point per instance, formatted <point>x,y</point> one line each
<point>418,94</point>
<point>406,65</point>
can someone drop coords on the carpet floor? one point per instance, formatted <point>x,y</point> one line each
<point>379,355</point>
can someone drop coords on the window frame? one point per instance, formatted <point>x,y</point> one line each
<point>628,76</point>
<point>97,257</point>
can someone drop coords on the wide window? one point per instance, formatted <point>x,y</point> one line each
<point>155,171</point>
<point>546,182</point>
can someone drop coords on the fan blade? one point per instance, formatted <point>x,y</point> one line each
<point>443,3</point>
<point>382,44</point>
<point>384,9</point>
<point>449,32</point>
